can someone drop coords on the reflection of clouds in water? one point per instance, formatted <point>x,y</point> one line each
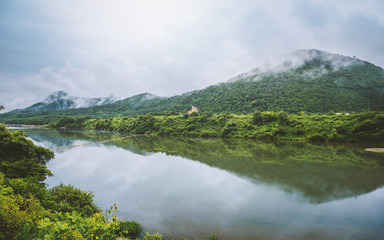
<point>47,138</point>
<point>171,194</point>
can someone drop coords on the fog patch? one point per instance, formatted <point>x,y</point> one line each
<point>325,62</point>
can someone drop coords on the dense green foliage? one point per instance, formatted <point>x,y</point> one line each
<point>31,211</point>
<point>354,127</point>
<point>69,199</point>
<point>76,226</point>
<point>317,86</point>
<point>130,229</point>
<point>19,157</point>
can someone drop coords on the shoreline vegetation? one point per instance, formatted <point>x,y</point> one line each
<point>32,211</point>
<point>363,127</point>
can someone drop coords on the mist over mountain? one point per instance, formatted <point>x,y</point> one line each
<point>325,61</point>
<point>61,100</point>
<point>308,80</point>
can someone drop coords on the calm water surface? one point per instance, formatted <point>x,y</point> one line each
<point>238,189</point>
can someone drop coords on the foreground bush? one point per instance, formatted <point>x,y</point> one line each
<point>28,210</point>
<point>129,229</point>
<point>18,215</point>
<point>68,199</point>
<point>75,226</point>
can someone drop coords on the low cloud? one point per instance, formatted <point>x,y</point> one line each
<point>92,49</point>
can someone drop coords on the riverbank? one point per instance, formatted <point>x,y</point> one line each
<point>271,126</point>
<point>25,125</point>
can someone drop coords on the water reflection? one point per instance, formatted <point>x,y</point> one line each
<point>239,189</point>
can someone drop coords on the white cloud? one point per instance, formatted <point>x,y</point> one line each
<point>168,47</point>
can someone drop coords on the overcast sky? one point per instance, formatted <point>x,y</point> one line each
<point>94,48</point>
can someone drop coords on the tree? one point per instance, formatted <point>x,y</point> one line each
<point>20,158</point>
<point>1,107</point>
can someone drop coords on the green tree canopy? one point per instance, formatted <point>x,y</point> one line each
<point>20,158</point>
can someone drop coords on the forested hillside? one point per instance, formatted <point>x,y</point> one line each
<point>271,126</point>
<point>320,83</point>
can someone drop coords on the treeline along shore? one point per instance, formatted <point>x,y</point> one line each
<point>367,126</point>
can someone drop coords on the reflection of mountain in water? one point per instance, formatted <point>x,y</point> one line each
<point>320,172</point>
<point>49,138</point>
<point>64,138</point>
<point>55,139</point>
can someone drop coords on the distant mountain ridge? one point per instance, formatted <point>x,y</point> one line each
<point>308,80</point>
<point>61,100</point>
<point>297,59</point>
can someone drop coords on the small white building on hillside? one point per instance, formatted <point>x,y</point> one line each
<point>194,109</point>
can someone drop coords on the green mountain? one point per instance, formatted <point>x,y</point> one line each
<point>320,82</point>
<point>310,80</point>
<point>61,100</point>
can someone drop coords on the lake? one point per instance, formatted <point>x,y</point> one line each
<point>239,189</point>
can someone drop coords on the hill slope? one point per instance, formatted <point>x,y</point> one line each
<point>323,82</point>
<point>310,80</point>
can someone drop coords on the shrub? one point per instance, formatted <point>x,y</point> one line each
<point>17,214</point>
<point>281,131</point>
<point>129,229</point>
<point>208,133</point>
<point>266,136</point>
<point>335,136</point>
<point>155,236</point>
<point>69,198</point>
<point>366,126</point>
<point>30,187</point>
<point>342,129</point>
<point>379,136</point>
<point>65,122</point>
<point>380,118</point>
<point>229,127</point>
<point>213,236</point>
<point>282,117</point>
<point>316,138</point>
<point>256,117</point>
<point>74,226</point>
<point>299,132</point>
<point>268,117</point>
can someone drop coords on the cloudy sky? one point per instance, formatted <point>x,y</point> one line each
<point>94,48</point>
